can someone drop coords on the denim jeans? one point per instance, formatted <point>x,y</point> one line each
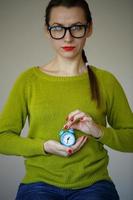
<point>102,190</point>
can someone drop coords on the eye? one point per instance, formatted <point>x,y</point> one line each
<point>56,28</point>
<point>77,27</point>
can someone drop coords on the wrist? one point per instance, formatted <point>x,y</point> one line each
<point>97,134</point>
<point>100,133</point>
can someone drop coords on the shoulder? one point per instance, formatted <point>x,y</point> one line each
<point>24,79</point>
<point>104,76</point>
<point>26,75</point>
<point>108,83</point>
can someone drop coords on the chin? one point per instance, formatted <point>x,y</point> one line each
<point>69,55</point>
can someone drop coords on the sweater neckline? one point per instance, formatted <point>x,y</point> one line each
<point>47,76</point>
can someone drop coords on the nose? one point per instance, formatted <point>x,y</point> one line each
<point>68,37</point>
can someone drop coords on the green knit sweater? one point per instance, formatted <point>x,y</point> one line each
<point>47,100</point>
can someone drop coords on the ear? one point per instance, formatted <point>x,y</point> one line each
<point>89,30</point>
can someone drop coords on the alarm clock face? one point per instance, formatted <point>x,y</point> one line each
<point>67,139</point>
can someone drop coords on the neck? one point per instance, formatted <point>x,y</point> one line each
<point>69,67</point>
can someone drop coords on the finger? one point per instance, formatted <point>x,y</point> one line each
<point>65,151</point>
<point>54,147</point>
<point>80,142</point>
<point>70,116</point>
<point>69,151</point>
<point>86,118</point>
<point>77,116</point>
<point>58,149</point>
<point>74,118</point>
<point>83,142</point>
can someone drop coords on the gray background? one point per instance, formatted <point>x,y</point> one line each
<point>23,44</point>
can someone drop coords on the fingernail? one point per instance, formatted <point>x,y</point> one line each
<point>72,119</point>
<point>66,127</point>
<point>69,151</point>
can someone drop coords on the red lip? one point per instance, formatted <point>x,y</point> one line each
<point>68,48</point>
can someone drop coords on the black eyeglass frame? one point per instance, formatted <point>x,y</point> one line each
<point>68,28</point>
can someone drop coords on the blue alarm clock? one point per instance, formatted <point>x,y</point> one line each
<point>67,137</point>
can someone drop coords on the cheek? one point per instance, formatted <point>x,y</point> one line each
<point>56,43</point>
<point>81,42</point>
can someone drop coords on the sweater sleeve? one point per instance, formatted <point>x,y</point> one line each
<point>119,134</point>
<point>12,120</point>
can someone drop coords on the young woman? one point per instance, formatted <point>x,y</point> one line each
<point>62,96</point>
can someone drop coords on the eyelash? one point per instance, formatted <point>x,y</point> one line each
<point>59,28</point>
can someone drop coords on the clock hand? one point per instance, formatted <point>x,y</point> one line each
<point>68,139</point>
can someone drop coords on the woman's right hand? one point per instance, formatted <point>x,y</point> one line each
<point>54,147</point>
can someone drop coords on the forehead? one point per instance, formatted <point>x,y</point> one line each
<point>63,15</point>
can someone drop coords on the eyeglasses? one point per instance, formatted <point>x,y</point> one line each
<point>77,31</point>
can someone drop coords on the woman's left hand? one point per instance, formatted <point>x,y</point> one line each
<point>83,122</point>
